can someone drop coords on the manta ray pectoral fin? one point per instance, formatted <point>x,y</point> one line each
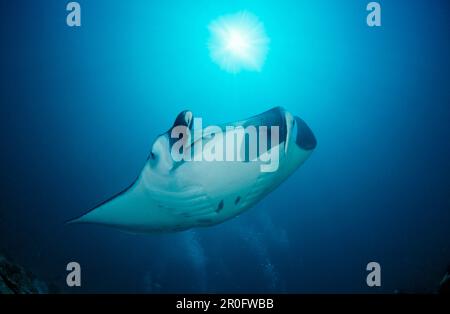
<point>88,217</point>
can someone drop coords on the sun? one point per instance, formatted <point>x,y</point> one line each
<point>238,42</point>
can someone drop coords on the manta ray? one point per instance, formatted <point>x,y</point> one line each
<point>172,196</point>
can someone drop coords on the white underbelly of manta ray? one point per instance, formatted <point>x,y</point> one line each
<point>174,195</point>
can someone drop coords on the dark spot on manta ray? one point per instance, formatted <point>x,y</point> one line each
<point>220,206</point>
<point>238,199</point>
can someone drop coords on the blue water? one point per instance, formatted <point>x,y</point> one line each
<point>80,108</point>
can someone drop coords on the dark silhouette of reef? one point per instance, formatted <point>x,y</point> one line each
<point>14,279</point>
<point>444,287</point>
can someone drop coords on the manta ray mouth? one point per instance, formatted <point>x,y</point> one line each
<point>305,138</point>
<point>264,124</point>
<point>285,126</point>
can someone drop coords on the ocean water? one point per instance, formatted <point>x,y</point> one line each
<point>80,108</point>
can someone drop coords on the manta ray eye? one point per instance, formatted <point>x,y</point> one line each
<point>152,156</point>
